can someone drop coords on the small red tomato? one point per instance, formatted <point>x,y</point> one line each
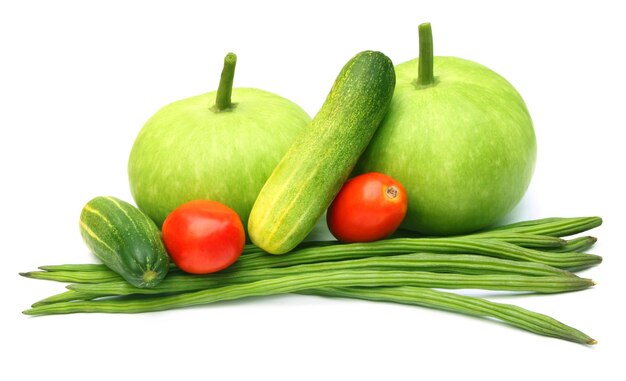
<point>368,207</point>
<point>203,236</point>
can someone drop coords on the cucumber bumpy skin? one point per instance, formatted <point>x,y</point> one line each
<point>317,164</point>
<point>125,239</point>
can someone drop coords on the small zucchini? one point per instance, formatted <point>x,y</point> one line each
<point>125,240</point>
<point>308,177</point>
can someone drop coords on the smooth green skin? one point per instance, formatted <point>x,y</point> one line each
<point>190,151</point>
<point>464,148</point>
<point>125,240</point>
<point>308,177</point>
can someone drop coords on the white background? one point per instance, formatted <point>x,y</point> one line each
<point>78,80</point>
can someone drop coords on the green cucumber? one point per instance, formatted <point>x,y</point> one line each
<point>125,240</point>
<point>317,164</point>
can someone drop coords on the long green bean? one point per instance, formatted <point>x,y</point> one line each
<point>66,296</point>
<point>524,233</point>
<point>74,276</point>
<point>487,247</point>
<point>336,252</point>
<point>450,263</point>
<point>334,278</point>
<point>324,252</point>
<point>553,226</point>
<point>529,223</point>
<point>100,276</point>
<point>497,282</point>
<point>558,227</point>
<point>249,249</point>
<point>514,315</point>
<point>455,263</point>
<point>75,267</point>
<point>578,244</point>
<point>530,253</point>
<point>531,241</point>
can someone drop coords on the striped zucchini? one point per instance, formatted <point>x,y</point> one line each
<point>125,240</point>
<point>308,177</point>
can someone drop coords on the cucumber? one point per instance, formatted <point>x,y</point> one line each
<point>125,240</point>
<point>317,164</point>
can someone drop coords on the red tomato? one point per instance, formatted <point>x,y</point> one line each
<point>203,236</point>
<point>368,207</point>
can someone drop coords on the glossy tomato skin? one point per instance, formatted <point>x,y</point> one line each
<point>203,236</point>
<point>368,207</point>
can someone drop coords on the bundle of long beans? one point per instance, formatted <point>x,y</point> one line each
<point>529,256</point>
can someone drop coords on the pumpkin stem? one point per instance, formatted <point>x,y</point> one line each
<point>225,89</point>
<point>425,76</point>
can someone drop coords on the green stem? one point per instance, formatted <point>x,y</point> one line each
<point>425,75</point>
<point>225,89</point>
